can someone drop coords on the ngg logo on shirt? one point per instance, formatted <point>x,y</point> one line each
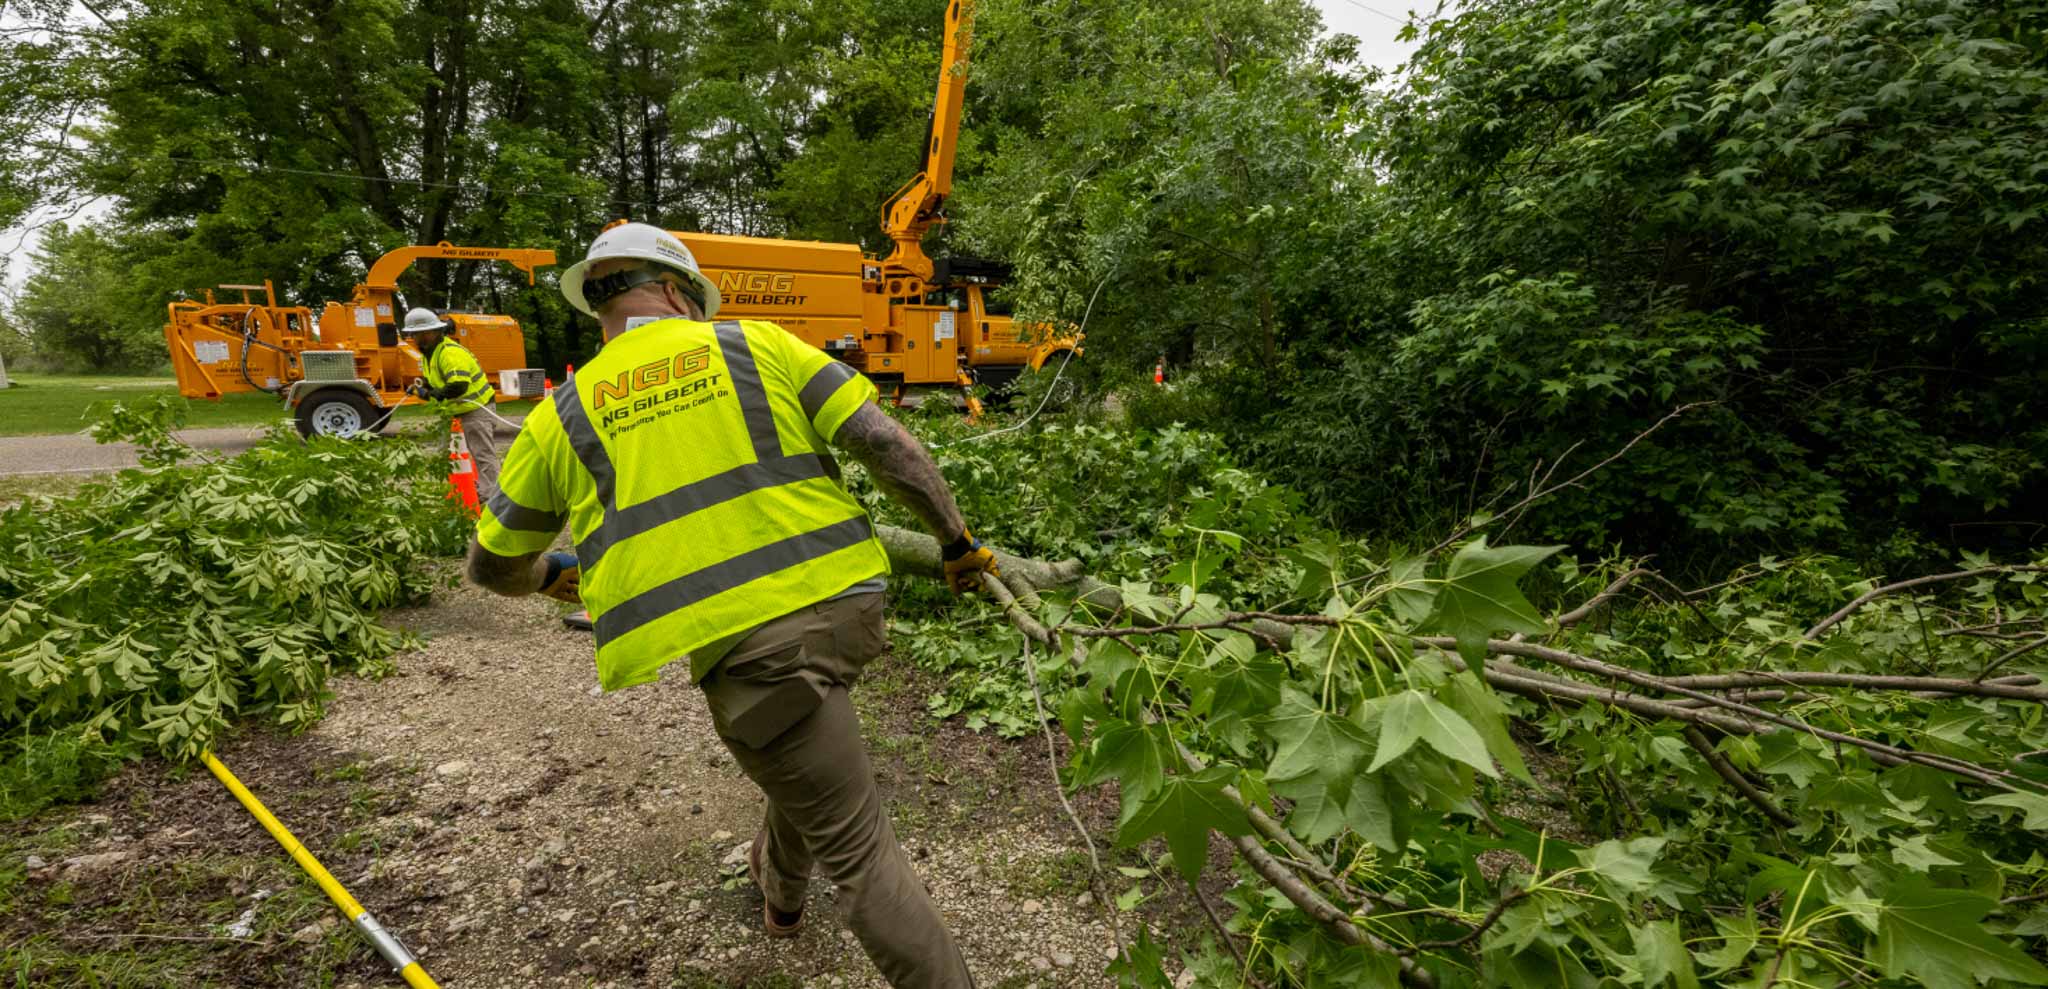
<point>628,391</point>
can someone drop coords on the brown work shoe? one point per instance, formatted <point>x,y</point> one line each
<point>777,923</point>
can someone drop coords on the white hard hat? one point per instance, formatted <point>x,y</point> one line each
<point>648,243</point>
<point>421,319</point>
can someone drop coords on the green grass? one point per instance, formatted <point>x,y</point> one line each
<point>15,488</point>
<point>41,404</point>
<point>51,403</point>
<point>39,770</point>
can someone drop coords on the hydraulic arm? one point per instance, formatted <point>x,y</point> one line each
<point>921,202</point>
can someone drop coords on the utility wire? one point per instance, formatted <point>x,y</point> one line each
<point>422,183</point>
<point>1376,10</point>
<point>360,177</point>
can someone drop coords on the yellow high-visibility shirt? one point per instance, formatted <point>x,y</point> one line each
<point>451,362</point>
<point>691,463</point>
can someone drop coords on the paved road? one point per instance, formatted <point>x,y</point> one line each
<point>77,453</point>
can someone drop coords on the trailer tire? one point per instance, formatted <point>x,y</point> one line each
<point>336,412</point>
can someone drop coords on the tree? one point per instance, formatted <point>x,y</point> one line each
<point>1819,225</point>
<point>78,308</point>
<point>1168,151</point>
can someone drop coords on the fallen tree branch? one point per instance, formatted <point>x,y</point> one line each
<point>1813,634</point>
<point>1582,612</point>
<point>916,554</point>
<point>2017,652</point>
<point>1097,880</point>
<point>1478,930</point>
<point>1801,678</point>
<point>1698,740</point>
<point>1558,657</point>
<point>1244,965</point>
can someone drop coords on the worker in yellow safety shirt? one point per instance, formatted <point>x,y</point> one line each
<point>452,374</point>
<point>691,461</point>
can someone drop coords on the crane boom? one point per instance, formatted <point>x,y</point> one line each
<point>384,274</point>
<point>915,207</point>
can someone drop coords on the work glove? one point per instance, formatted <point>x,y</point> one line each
<point>563,578</point>
<point>966,560</point>
<point>417,389</point>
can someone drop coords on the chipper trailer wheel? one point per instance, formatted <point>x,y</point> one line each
<point>337,412</point>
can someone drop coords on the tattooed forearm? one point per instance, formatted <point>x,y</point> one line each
<point>512,576</point>
<point>902,468</point>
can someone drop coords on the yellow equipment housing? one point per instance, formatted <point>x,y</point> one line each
<point>359,364</point>
<point>221,348</point>
<point>902,331</point>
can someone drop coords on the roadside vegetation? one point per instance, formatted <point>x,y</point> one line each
<point>143,612</point>
<point>1591,533</point>
<point>41,404</point>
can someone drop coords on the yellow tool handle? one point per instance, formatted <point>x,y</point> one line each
<point>386,943</point>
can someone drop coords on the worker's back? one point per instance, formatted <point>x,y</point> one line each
<point>691,461</point>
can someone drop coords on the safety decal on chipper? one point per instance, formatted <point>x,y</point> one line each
<point>636,396</point>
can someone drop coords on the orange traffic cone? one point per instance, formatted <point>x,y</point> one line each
<point>547,387</point>
<point>462,469</point>
<point>1159,372</point>
<point>570,373</point>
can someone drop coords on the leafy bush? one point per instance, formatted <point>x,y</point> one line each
<point>153,607</point>
<point>1560,220</point>
<point>1136,504</point>
<point>1556,809</point>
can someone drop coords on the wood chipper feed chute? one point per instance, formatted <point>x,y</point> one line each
<point>219,348</point>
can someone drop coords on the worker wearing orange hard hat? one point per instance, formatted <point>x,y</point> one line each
<point>452,374</point>
<point>691,462</point>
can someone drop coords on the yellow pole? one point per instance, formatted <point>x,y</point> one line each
<point>386,943</point>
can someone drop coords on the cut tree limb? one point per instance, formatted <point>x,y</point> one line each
<point>1907,585</point>
<point>1699,742</point>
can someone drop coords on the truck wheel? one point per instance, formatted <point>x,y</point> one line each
<point>335,412</point>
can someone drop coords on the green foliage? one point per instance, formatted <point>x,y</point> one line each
<point>1403,775</point>
<point>1603,846</point>
<point>152,608</point>
<point>1558,222</point>
<point>1128,504</point>
<point>37,771</point>
<point>80,310</point>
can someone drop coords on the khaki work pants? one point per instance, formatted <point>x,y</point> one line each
<point>481,430</point>
<point>780,702</point>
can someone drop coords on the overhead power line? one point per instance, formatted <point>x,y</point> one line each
<point>360,177</point>
<point>1376,10</point>
<point>422,183</point>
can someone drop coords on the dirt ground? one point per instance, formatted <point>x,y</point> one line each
<point>518,828</point>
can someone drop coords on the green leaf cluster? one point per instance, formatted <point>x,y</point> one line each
<point>156,607</point>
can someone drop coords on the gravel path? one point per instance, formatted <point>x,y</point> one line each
<point>518,828</point>
<point>565,837</point>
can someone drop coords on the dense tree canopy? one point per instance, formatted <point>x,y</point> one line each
<point>1558,223</point>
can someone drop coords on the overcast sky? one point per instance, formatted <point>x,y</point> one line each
<point>1374,22</point>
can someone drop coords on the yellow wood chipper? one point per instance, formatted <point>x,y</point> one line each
<point>347,370</point>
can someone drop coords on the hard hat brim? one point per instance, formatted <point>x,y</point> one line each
<point>442,325</point>
<point>572,281</point>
